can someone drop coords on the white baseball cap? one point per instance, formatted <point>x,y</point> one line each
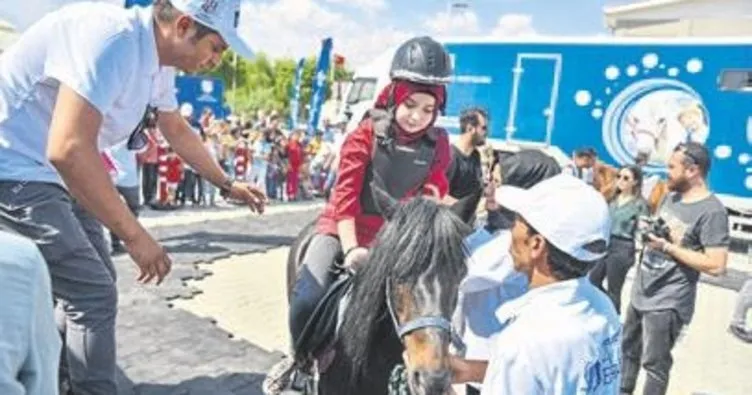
<point>220,15</point>
<point>570,214</point>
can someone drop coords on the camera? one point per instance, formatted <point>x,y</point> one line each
<point>657,227</point>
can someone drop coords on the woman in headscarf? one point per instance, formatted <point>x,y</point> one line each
<point>397,147</point>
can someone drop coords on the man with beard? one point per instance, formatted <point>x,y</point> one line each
<point>665,285</point>
<point>583,163</point>
<point>465,173</point>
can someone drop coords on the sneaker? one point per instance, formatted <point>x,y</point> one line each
<point>279,377</point>
<point>740,333</point>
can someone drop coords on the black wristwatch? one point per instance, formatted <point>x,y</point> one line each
<point>226,187</point>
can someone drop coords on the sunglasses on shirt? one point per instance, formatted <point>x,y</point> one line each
<point>138,138</point>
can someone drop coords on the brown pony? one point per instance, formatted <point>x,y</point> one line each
<point>604,180</point>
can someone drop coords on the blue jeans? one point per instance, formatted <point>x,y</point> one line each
<point>29,341</point>
<point>83,279</point>
<point>271,183</point>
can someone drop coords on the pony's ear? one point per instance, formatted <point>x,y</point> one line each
<point>466,207</point>
<point>385,203</point>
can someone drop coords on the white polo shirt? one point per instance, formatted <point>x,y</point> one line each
<point>491,281</point>
<point>562,338</point>
<point>106,53</point>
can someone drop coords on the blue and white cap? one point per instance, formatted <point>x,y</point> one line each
<point>570,214</point>
<point>220,15</point>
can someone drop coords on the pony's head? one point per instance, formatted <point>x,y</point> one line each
<point>413,271</point>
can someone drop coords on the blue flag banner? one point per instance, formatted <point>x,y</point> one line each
<point>131,3</point>
<point>319,85</point>
<point>201,93</point>
<point>295,100</point>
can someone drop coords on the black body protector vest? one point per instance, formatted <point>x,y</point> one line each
<point>396,168</point>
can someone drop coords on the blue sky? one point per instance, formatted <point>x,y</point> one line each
<point>362,29</point>
<point>556,17</point>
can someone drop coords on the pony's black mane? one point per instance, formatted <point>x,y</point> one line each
<point>422,239</point>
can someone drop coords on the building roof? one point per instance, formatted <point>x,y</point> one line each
<point>641,6</point>
<point>681,17</point>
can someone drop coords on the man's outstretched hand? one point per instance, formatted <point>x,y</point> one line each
<point>253,197</point>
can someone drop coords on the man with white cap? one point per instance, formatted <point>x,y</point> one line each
<point>563,335</point>
<point>80,80</point>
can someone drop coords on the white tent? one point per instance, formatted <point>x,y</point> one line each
<point>681,18</point>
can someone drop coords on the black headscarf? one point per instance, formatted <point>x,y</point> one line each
<point>523,170</point>
<point>527,168</point>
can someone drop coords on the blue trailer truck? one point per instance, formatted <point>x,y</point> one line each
<point>619,95</point>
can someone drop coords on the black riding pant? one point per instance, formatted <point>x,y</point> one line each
<point>316,275</point>
<point>614,268</point>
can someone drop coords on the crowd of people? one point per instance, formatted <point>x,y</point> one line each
<point>533,312</point>
<point>288,165</point>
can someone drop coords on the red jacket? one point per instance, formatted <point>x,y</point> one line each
<point>174,169</point>
<point>355,155</point>
<point>294,154</point>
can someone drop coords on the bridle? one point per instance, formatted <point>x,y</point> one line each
<point>431,321</point>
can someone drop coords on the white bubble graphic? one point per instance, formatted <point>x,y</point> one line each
<point>673,72</point>
<point>612,73</point>
<point>748,182</point>
<point>598,103</point>
<point>694,65</point>
<point>608,91</point>
<point>662,66</point>
<point>597,113</point>
<point>744,159</point>
<point>650,60</point>
<point>582,98</point>
<point>632,70</point>
<point>723,151</point>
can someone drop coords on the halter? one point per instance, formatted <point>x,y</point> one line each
<point>435,321</point>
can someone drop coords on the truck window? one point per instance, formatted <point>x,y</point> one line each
<point>363,89</point>
<point>735,80</point>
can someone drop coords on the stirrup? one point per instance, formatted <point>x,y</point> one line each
<point>302,383</point>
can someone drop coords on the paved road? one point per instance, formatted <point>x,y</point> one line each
<point>169,345</point>
<point>168,351</point>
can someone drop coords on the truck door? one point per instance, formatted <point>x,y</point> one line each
<point>533,99</point>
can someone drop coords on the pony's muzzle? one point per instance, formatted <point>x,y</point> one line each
<point>430,382</point>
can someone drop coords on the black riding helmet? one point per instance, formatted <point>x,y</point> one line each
<point>422,60</point>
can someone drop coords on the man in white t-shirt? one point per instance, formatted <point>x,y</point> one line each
<point>491,280</point>
<point>78,81</point>
<point>563,335</point>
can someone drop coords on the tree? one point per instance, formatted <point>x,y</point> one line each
<point>264,84</point>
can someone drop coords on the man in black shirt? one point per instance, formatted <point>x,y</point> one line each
<point>465,173</point>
